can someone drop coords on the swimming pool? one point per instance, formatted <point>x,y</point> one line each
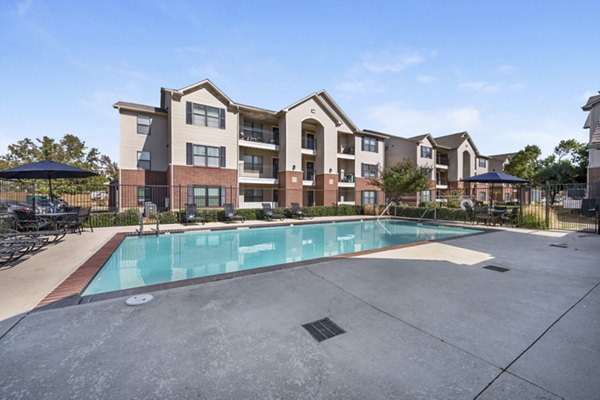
<point>150,260</point>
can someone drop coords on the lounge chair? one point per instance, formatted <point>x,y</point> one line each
<point>230,214</point>
<point>14,244</point>
<point>269,213</point>
<point>191,215</point>
<point>469,212</point>
<point>299,212</point>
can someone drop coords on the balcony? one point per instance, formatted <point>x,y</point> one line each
<point>309,146</point>
<point>442,162</point>
<point>346,152</point>
<point>346,180</point>
<point>441,183</point>
<point>259,139</point>
<point>257,174</point>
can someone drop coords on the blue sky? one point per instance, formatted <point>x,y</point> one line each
<point>511,73</point>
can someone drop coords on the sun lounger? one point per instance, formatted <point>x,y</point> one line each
<point>230,214</point>
<point>269,213</point>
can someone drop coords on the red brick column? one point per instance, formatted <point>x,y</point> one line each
<point>326,189</point>
<point>290,185</point>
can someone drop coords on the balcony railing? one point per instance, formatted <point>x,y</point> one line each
<point>257,171</point>
<point>259,136</point>
<point>309,143</point>
<point>346,149</point>
<point>442,160</point>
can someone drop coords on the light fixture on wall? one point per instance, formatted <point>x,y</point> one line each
<point>330,170</point>
<point>294,167</point>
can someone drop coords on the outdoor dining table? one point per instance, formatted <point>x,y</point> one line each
<point>59,218</point>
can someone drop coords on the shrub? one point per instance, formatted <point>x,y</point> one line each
<point>102,219</point>
<point>128,217</point>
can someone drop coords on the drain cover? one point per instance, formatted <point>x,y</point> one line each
<point>497,269</point>
<point>139,299</point>
<point>323,329</point>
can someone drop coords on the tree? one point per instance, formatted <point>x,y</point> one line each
<point>402,179</point>
<point>524,163</point>
<point>578,154</point>
<point>69,150</point>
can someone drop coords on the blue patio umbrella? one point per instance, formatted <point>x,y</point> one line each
<point>495,177</point>
<point>45,170</point>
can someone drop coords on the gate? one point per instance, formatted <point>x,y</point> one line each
<point>572,207</point>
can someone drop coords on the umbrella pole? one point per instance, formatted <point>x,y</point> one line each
<point>50,185</point>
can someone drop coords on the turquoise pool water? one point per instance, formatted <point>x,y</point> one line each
<point>149,260</point>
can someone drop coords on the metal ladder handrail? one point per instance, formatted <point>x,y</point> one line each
<point>386,208</point>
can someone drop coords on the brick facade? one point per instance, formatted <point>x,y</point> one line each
<point>184,176</point>
<point>361,184</point>
<point>141,177</point>
<point>291,188</point>
<point>326,189</point>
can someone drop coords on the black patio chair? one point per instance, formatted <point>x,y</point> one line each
<point>27,221</point>
<point>269,213</point>
<point>510,217</point>
<point>482,214</point>
<point>230,214</point>
<point>299,212</point>
<point>191,215</point>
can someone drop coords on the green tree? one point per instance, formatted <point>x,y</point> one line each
<point>69,150</point>
<point>577,154</point>
<point>403,179</point>
<point>524,163</point>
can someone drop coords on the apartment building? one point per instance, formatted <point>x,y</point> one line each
<point>204,148</point>
<point>593,124</point>
<point>450,158</point>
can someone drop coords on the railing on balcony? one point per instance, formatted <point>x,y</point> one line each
<point>441,160</point>
<point>442,182</point>
<point>309,143</point>
<point>347,177</point>
<point>260,136</point>
<point>257,171</point>
<point>345,149</point>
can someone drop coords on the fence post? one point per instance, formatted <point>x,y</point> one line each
<point>547,189</point>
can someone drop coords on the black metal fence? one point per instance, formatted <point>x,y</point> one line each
<point>554,206</point>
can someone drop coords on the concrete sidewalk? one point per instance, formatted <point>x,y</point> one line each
<point>423,322</point>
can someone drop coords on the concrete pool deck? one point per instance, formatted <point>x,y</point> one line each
<point>421,322</point>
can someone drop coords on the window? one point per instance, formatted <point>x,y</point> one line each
<point>253,195</point>
<point>369,144</point>
<point>143,124</point>
<point>206,196</point>
<point>203,115</point>
<point>481,196</point>
<point>253,130</point>
<point>482,162</point>
<point>426,195</point>
<point>143,159</point>
<point>276,196</point>
<point>426,152</point>
<point>253,163</point>
<point>370,171</point>
<point>369,197</point>
<point>206,156</point>
<point>144,194</point>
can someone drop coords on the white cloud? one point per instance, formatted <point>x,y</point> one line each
<point>505,69</point>
<point>24,7</point>
<point>426,78</point>
<point>481,86</point>
<point>354,87</point>
<point>488,87</point>
<point>398,120</point>
<point>389,62</point>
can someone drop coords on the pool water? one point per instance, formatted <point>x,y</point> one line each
<point>149,260</point>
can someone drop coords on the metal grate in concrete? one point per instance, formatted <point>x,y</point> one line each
<point>323,329</point>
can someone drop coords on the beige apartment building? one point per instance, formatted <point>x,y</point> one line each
<point>450,158</point>
<point>201,147</point>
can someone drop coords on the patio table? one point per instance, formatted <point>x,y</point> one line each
<point>60,218</point>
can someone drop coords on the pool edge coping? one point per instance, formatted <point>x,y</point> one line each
<point>68,292</point>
